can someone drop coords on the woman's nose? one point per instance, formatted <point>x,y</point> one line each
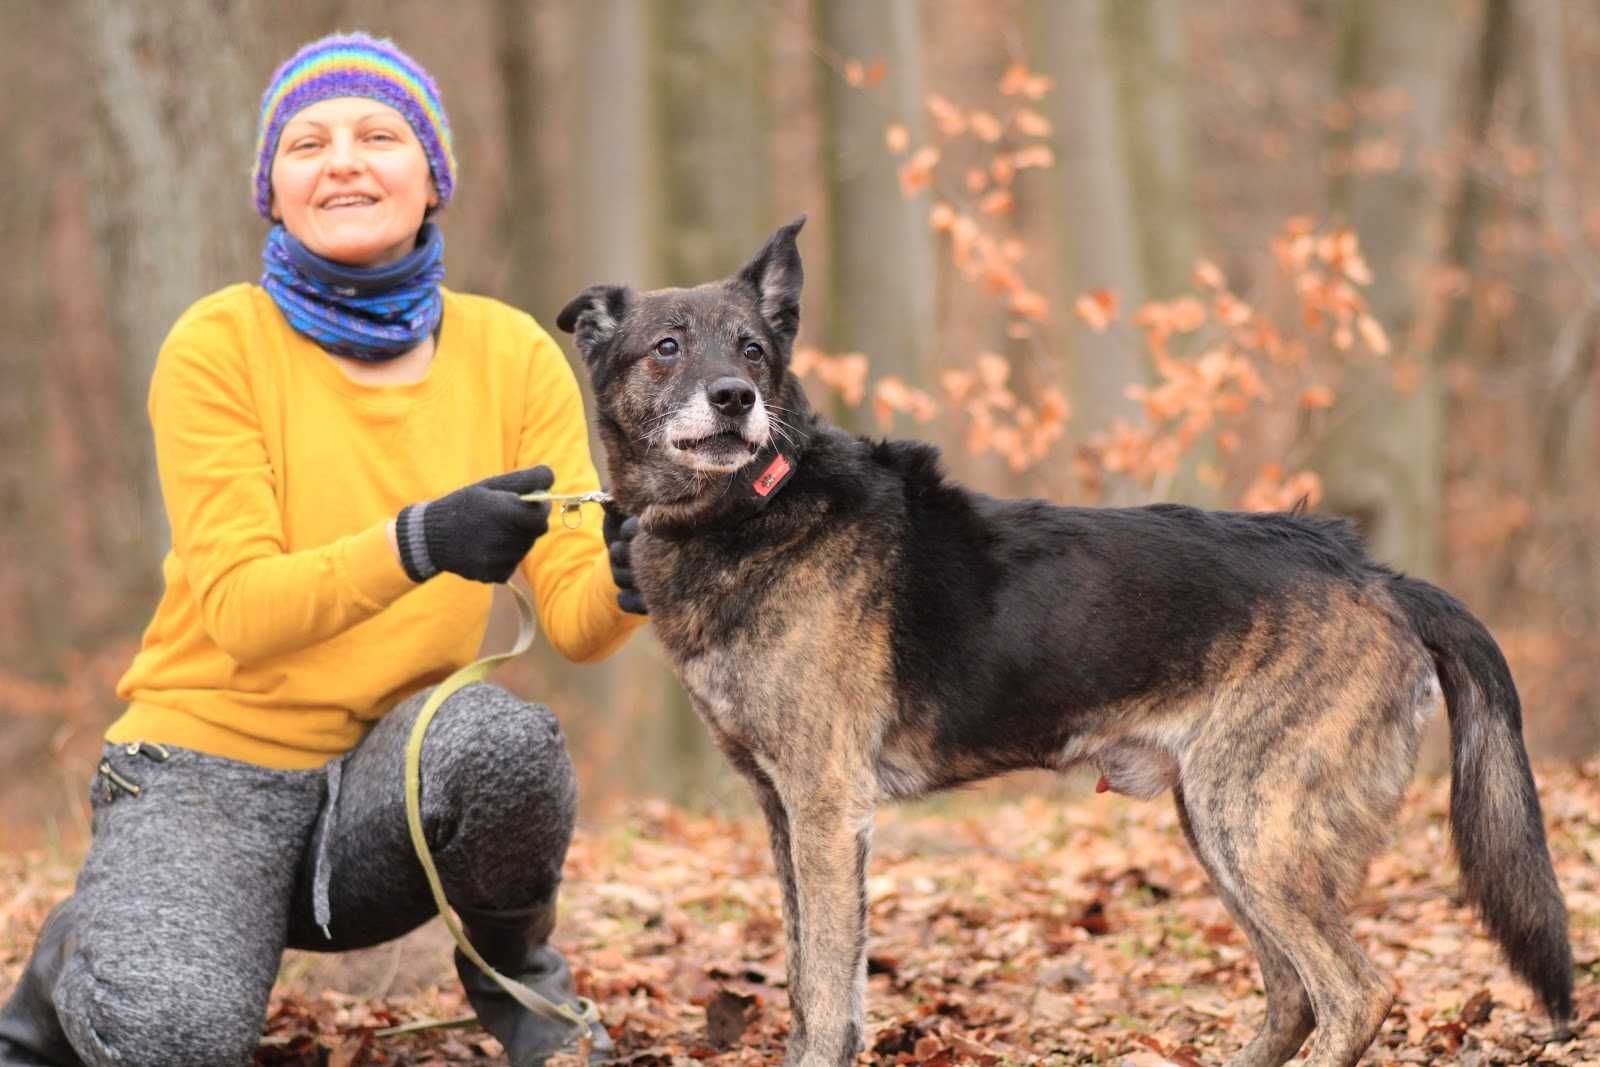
<point>343,156</point>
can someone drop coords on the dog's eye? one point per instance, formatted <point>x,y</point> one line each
<point>753,352</point>
<point>667,346</point>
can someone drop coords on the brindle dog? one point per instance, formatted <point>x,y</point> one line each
<point>852,626</point>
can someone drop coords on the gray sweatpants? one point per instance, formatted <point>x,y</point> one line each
<point>194,885</point>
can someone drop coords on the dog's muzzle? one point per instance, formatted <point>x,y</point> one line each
<point>721,429</point>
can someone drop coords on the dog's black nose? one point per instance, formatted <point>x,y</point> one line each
<point>732,396</point>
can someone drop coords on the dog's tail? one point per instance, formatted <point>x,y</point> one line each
<point>1494,810</point>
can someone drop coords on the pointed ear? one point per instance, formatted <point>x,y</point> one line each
<point>775,275</point>
<point>594,315</point>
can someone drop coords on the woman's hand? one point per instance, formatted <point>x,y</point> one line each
<point>620,530</point>
<point>481,531</point>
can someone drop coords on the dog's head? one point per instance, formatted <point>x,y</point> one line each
<point>691,384</point>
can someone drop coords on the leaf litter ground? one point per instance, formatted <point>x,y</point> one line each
<point>1005,930</point>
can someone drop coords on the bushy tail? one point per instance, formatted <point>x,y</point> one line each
<point>1494,811</point>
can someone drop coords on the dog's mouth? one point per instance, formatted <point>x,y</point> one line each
<point>720,444</point>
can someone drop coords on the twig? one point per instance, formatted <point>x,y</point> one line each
<point>427,1024</point>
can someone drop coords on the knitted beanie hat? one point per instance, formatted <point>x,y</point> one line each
<point>354,65</point>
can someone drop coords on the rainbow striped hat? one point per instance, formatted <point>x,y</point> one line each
<point>354,65</point>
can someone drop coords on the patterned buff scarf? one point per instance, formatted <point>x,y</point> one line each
<point>369,313</point>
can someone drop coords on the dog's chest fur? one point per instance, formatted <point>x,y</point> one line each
<point>772,645</point>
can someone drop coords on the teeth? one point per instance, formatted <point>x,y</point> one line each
<point>342,201</point>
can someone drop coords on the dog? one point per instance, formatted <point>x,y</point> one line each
<point>853,626</point>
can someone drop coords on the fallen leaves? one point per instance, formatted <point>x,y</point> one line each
<point>1014,927</point>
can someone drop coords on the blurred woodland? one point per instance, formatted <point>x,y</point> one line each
<point>1232,253</point>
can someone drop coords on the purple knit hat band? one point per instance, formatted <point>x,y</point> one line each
<point>354,65</point>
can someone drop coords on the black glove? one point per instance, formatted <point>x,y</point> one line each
<point>480,532</point>
<point>620,530</point>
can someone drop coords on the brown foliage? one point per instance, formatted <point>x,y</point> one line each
<point>1034,930</point>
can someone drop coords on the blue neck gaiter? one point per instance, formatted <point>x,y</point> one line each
<point>368,313</point>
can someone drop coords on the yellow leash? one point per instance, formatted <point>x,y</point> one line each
<point>570,504</point>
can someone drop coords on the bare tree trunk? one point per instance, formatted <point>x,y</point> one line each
<point>1122,205</point>
<point>177,119</point>
<point>528,207</point>
<point>1382,464</point>
<point>710,125</point>
<point>33,626</point>
<point>881,288</point>
<point>615,199</point>
<point>1565,451</point>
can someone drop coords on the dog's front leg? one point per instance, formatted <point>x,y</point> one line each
<point>830,836</point>
<point>783,860</point>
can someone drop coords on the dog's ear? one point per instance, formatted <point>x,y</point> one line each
<point>775,275</point>
<point>594,315</point>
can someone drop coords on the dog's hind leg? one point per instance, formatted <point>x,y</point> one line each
<point>1286,822</point>
<point>1289,1016</point>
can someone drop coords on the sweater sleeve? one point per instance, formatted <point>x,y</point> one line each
<point>257,600</point>
<point>568,568</point>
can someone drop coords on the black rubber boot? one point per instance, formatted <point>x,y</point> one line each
<point>30,1031</point>
<point>518,946</point>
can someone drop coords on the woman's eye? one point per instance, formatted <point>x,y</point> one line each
<point>667,346</point>
<point>754,352</point>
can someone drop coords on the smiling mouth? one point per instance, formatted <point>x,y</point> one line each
<point>348,201</point>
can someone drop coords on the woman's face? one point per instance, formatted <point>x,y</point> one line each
<point>351,181</point>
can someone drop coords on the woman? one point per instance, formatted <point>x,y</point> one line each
<point>342,451</point>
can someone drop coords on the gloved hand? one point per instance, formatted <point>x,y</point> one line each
<point>620,530</point>
<point>481,531</point>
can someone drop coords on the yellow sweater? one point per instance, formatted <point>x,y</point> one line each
<point>288,625</point>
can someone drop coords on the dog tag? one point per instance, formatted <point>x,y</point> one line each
<point>773,476</point>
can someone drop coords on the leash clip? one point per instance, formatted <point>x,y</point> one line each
<point>571,504</point>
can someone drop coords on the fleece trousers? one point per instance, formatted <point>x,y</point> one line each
<point>202,870</point>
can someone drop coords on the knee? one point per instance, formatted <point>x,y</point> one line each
<point>484,729</point>
<point>490,747</point>
<point>147,1023</point>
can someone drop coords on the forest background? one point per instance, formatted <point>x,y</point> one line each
<point>1231,253</point>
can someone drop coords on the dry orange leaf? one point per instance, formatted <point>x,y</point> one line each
<point>1018,80</point>
<point>998,202</point>
<point>1031,123</point>
<point>993,370</point>
<point>1208,274</point>
<point>1034,155</point>
<point>1030,305</point>
<point>977,180</point>
<point>916,174</point>
<point>957,384</point>
<point>896,138</point>
<point>951,120</point>
<point>1053,406</point>
<point>1372,333</point>
<point>1003,168</point>
<point>1187,314</point>
<point>985,126</point>
<point>1316,396</point>
<point>1097,308</point>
